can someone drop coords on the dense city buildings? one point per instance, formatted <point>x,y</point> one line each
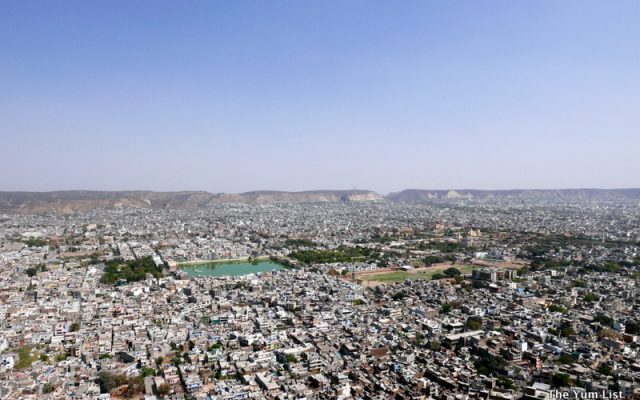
<point>453,299</point>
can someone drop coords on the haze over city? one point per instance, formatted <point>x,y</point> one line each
<point>239,96</point>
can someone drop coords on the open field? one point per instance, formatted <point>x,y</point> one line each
<point>396,276</point>
<point>26,357</point>
<point>425,273</point>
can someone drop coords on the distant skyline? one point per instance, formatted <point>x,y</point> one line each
<point>385,96</point>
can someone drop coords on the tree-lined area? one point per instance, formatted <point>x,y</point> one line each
<point>340,254</point>
<point>130,271</point>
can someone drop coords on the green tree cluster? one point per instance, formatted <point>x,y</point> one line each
<point>430,260</point>
<point>452,272</point>
<point>47,388</point>
<point>131,271</point>
<point>291,358</point>
<point>566,330</point>
<point>560,380</point>
<point>565,359</point>
<point>489,364</point>
<point>341,254</point>
<point>36,242</point>
<point>474,323</point>
<point>557,308</point>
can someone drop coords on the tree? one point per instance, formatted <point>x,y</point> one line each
<point>452,272</point>
<point>560,380</point>
<point>398,296</point>
<point>75,327</point>
<point>489,363</point>
<point>557,308</point>
<point>47,388</point>
<point>291,358</point>
<point>603,319</point>
<point>505,383</point>
<point>632,327</point>
<point>36,242</point>
<point>164,390</point>
<point>565,359</point>
<point>31,272</point>
<point>604,369</point>
<point>474,323</point>
<point>419,338</point>
<point>109,381</point>
<point>130,271</point>
<point>429,260</point>
<point>566,330</point>
<point>135,385</point>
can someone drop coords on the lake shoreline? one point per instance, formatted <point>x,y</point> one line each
<point>222,261</point>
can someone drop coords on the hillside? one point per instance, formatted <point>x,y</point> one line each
<point>313,196</point>
<point>72,201</point>
<point>78,200</point>
<point>421,195</point>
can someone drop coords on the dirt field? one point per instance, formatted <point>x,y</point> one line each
<point>382,277</point>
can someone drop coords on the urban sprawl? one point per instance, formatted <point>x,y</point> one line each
<point>376,300</point>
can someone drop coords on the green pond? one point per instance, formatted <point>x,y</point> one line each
<point>230,268</point>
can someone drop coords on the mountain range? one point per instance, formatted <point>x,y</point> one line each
<point>421,195</point>
<point>77,200</point>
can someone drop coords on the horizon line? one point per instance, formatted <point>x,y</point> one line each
<point>313,190</point>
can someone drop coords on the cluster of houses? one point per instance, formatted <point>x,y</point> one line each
<point>314,332</point>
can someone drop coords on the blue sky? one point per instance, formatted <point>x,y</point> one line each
<point>235,96</point>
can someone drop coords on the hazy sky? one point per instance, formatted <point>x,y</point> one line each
<point>232,96</point>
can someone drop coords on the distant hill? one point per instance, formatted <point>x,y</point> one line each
<point>76,200</point>
<point>421,195</point>
<point>79,200</point>
<point>312,196</point>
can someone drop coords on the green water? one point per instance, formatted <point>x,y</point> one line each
<point>230,268</point>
